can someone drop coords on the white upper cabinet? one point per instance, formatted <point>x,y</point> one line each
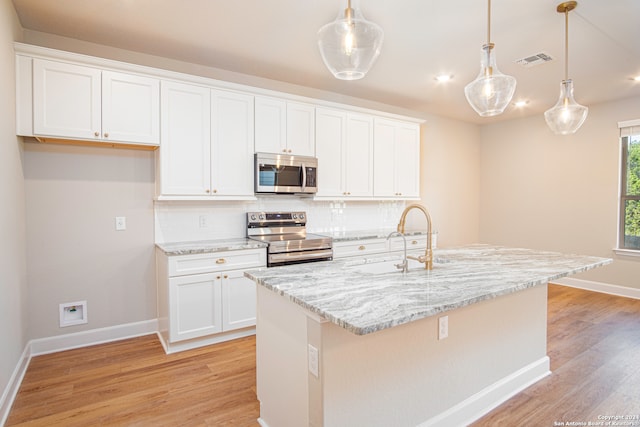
<point>84,103</point>
<point>344,147</point>
<point>207,143</point>
<point>130,108</point>
<point>301,121</point>
<point>284,127</point>
<point>232,144</point>
<point>396,159</point>
<point>184,158</point>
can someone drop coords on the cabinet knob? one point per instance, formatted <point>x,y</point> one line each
<point>207,191</point>
<point>96,134</point>
<point>226,277</point>
<point>284,150</point>
<point>218,277</point>
<point>289,150</point>
<point>221,261</point>
<point>215,191</point>
<point>106,134</point>
<point>414,242</point>
<point>361,248</point>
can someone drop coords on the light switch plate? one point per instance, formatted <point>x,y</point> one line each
<point>121,223</point>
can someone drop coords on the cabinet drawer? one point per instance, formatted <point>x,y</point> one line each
<point>359,248</point>
<point>413,242</point>
<point>218,261</point>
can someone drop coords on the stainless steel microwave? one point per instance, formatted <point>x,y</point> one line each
<point>283,173</point>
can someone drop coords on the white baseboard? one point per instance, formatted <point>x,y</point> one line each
<point>483,402</point>
<point>606,288</point>
<point>175,347</point>
<point>92,337</point>
<point>10,392</point>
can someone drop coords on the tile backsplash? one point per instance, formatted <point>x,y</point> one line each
<point>193,221</point>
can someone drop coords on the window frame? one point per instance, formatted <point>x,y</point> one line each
<point>627,130</point>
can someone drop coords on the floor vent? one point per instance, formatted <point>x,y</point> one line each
<point>538,58</point>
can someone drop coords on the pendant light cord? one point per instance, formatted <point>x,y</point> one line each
<point>489,22</point>
<point>566,44</point>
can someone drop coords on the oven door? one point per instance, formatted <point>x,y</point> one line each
<point>298,257</point>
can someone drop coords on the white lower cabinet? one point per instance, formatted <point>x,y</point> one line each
<point>209,306</point>
<point>377,246</point>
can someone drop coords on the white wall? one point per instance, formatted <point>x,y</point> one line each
<point>13,282</point>
<point>559,193</point>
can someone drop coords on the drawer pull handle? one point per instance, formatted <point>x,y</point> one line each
<point>414,242</point>
<point>361,248</point>
<point>221,261</point>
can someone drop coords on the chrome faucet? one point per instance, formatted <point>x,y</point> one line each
<point>427,258</point>
<point>404,265</point>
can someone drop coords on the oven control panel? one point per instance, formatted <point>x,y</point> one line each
<point>275,219</point>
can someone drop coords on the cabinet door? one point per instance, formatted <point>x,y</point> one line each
<point>185,152</point>
<point>232,143</point>
<point>130,108</point>
<point>384,158</point>
<point>270,125</point>
<point>301,129</point>
<point>66,100</point>
<point>358,156</point>
<point>330,136</point>
<point>195,306</point>
<point>239,301</point>
<point>407,160</point>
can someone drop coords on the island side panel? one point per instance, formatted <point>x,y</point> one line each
<point>281,361</point>
<point>405,376</point>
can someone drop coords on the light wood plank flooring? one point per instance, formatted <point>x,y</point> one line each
<point>594,345</point>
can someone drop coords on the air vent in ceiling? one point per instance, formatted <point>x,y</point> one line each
<point>538,58</point>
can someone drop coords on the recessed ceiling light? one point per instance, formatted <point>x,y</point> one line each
<point>443,78</point>
<point>636,78</point>
<point>521,103</point>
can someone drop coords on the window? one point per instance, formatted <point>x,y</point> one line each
<point>629,234</point>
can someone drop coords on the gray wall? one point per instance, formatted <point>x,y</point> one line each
<point>13,283</point>
<point>73,196</point>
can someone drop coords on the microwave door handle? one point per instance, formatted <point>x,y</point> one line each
<point>304,177</point>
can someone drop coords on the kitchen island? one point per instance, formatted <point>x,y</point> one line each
<point>358,343</point>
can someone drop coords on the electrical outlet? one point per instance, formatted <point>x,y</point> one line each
<point>443,327</point>
<point>313,360</point>
<point>121,223</point>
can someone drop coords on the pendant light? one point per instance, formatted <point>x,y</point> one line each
<point>567,115</point>
<point>350,45</point>
<point>490,93</point>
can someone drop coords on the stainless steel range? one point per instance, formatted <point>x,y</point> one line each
<point>287,238</point>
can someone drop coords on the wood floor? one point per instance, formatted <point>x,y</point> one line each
<point>594,345</point>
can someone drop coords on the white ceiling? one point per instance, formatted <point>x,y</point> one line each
<point>276,39</point>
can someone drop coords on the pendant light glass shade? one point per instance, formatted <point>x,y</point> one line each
<point>567,115</point>
<point>350,45</point>
<point>490,93</point>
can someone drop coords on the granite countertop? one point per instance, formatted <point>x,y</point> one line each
<point>232,244</point>
<point>344,293</point>
<point>209,246</point>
